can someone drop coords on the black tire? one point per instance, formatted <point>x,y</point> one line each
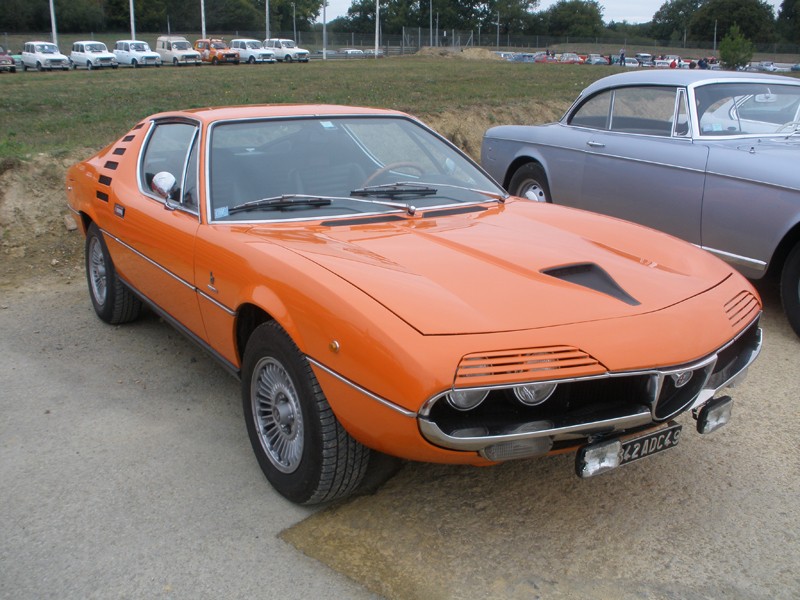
<point>302,449</point>
<point>214,61</point>
<point>39,67</point>
<point>89,65</point>
<point>790,288</point>
<point>134,63</point>
<point>530,182</point>
<point>174,62</point>
<point>113,302</point>
<point>251,60</point>
<point>287,58</point>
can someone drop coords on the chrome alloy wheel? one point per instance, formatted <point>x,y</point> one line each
<point>277,414</point>
<point>97,271</point>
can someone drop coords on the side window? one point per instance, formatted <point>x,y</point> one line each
<point>594,113</point>
<point>645,110</point>
<point>167,150</point>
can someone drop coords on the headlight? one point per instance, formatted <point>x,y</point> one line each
<point>466,399</point>
<point>535,393</point>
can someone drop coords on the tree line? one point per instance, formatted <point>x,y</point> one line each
<point>675,20</point>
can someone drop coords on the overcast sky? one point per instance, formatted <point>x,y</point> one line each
<point>633,11</point>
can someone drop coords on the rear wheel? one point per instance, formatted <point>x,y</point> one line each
<point>790,288</point>
<point>113,302</point>
<point>302,448</point>
<point>530,182</point>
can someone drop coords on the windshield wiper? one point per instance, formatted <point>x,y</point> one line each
<point>281,202</point>
<point>396,190</point>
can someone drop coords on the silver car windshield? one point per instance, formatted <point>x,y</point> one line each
<point>258,170</point>
<point>725,109</point>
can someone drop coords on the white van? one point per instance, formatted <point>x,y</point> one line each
<point>286,50</point>
<point>176,50</point>
<point>135,53</point>
<point>251,51</point>
<point>43,55</point>
<point>92,55</point>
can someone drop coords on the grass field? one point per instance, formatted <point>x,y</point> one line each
<point>59,112</point>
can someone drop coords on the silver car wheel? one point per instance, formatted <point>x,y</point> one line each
<point>97,272</point>
<point>533,191</point>
<point>277,414</point>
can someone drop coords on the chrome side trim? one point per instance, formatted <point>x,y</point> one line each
<point>148,259</point>
<point>735,259</point>
<point>358,388</point>
<point>185,283</point>
<point>216,303</point>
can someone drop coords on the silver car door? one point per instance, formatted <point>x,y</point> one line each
<point>644,166</point>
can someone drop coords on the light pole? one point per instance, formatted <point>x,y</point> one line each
<point>498,29</point>
<point>430,26</point>
<point>294,21</point>
<point>324,31</point>
<point>133,22</point>
<point>266,16</point>
<point>53,22</point>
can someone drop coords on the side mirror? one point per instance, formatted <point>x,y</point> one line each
<point>163,184</point>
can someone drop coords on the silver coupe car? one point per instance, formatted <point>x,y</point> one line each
<point>711,157</point>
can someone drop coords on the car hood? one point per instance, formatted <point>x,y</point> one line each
<point>510,267</point>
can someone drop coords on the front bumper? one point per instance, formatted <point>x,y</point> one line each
<point>590,408</point>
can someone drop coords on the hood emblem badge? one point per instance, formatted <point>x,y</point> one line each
<point>682,378</point>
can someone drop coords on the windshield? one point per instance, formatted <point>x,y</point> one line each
<point>96,48</point>
<point>254,45</point>
<point>140,47</point>
<point>363,165</point>
<point>219,45</point>
<point>47,48</point>
<point>747,108</point>
<point>180,45</point>
<point>288,44</point>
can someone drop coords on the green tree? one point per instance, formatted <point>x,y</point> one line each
<point>755,18</point>
<point>671,21</point>
<point>575,18</point>
<point>735,50</point>
<point>789,21</point>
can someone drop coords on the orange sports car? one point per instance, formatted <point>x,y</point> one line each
<point>378,293</point>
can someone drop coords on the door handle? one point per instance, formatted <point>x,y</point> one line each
<point>592,144</point>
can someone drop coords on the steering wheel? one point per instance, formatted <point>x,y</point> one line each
<point>390,167</point>
<point>787,125</point>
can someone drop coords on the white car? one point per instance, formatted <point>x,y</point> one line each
<point>92,55</point>
<point>177,50</point>
<point>286,50</point>
<point>252,51</point>
<point>43,55</point>
<point>136,54</point>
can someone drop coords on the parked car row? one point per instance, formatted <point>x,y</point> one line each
<point>170,49</point>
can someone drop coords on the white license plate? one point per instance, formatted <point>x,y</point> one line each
<point>650,444</point>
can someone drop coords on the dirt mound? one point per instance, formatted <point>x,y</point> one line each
<point>462,53</point>
<point>34,237</point>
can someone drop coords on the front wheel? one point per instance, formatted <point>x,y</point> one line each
<point>287,58</point>
<point>134,63</point>
<point>790,288</point>
<point>251,60</point>
<point>113,302</point>
<point>530,182</point>
<point>302,448</point>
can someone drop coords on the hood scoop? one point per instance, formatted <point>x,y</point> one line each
<point>592,276</point>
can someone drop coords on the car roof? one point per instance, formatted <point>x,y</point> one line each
<point>682,77</point>
<point>258,111</point>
